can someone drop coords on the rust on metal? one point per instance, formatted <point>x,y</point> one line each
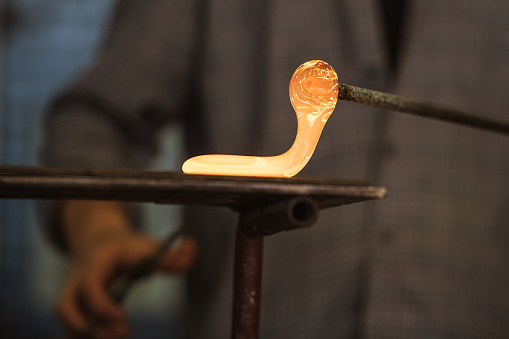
<point>247,284</point>
<point>253,224</point>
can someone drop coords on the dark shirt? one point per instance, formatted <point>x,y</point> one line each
<point>429,261</point>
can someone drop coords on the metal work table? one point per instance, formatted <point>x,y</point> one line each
<point>265,205</point>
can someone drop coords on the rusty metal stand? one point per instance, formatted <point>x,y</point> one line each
<point>253,225</point>
<point>247,285</point>
<point>266,206</point>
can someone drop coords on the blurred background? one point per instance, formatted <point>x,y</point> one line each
<point>45,44</point>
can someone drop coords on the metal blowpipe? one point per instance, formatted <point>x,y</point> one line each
<point>397,103</point>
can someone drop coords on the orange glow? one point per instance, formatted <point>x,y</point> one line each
<point>313,93</point>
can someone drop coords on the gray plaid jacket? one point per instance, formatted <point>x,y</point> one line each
<point>427,262</point>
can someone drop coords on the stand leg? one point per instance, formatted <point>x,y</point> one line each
<point>253,225</point>
<point>247,285</point>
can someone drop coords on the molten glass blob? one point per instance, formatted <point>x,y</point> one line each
<point>313,93</point>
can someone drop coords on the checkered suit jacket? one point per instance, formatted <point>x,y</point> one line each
<point>430,261</point>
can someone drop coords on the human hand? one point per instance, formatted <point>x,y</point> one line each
<point>103,247</point>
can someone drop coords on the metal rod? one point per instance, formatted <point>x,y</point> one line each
<point>400,104</point>
<point>279,216</point>
<point>254,223</point>
<point>247,285</point>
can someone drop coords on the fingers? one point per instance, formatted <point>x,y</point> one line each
<point>85,307</point>
<point>180,257</point>
<point>68,311</point>
<point>101,271</point>
<point>80,317</point>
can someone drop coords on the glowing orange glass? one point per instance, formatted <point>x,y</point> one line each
<point>313,93</point>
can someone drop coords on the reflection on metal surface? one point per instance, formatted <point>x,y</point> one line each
<point>313,93</point>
